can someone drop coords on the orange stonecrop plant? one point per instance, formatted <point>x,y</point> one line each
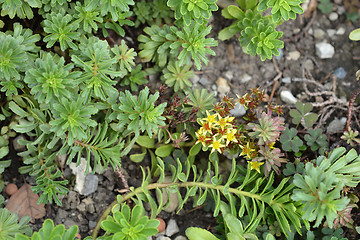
<point>254,139</point>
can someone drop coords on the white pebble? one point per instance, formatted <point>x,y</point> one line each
<point>293,55</point>
<point>171,228</point>
<point>238,110</point>
<point>287,97</point>
<point>333,16</point>
<point>180,238</point>
<point>324,50</point>
<point>163,238</point>
<point>245,78</point>
<point>319,33</point>
<point>286,80</point>
<point>222,86</point>
<point>331,32</point>
<point>340,31</point>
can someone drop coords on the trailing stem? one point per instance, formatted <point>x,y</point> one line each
<point>165,185</point>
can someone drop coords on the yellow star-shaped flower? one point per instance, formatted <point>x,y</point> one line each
<point>256,165</point>
<point>223,122</point>
<point>210,118</point>
<point>230,136</point>
<point>247,151</point>
<point>216,145</point>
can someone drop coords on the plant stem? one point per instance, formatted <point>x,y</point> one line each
<point>165,185</point>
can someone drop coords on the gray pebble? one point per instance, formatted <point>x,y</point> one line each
<point>324,50</point>
<point>172,228</point>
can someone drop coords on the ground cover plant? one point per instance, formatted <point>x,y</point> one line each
<point>74,85</point>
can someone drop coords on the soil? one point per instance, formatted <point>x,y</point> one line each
<point>233,65</point>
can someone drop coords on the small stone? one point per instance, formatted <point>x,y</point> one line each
<point>340,31</point>
<point>311,31</point>
<point>238,110</point>
<point>204,81</point>
<point>162,225</point>
<point>163,238</point>
<point>180,237</point>
<point>61,215</point>
<point>11,188</point>
<point>309,65</point>
<point>222,86</point>
<point>340,10</point>
<point>336,125</point>
<point>319,99</point>
<point>331,32</point>
<point>229,75</point>
<point>18,147</point>
<point>81,207</point>
<point>195,79</point>
<point>84,184</point>
<point>319,33</point>
<point>293,55</point>
<point>338,1</point>
<point>340,73</point>
<point>324,50</point>
<point>296,30</point>
<point>280,55</point>
<point>333,16</point>
<point>245,78</point>
<point>286,80</point>
<point>92,224</point>
<point>287,97</point>
<point>69,223</point>
<point>171,228</point>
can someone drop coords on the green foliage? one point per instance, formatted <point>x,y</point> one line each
<point>135,78</point>
<point>72,118</point>
<point>98,65</point>
<point>142,12</point>
<point>195,45</point>
<point>325,6</point>
<point>129,224</point>
<point>161,12</point>
<point>290,141</point>
<point>355,35</point>
<point>177,76</point>
<point>189,10</point>
<point>11,225</point>
<point>350,136</point>
<point>49,187</point>
<point>200,100</point>
<point>194,233</point>
<point>261,39</point>
<point>268,130</point>
<point>251,195</point>
<point>292,168</point>
<point>125,58</point>
<point>258,31</point>
<point>316,140</point>
<point>12,55</point>
<point>59,29</point>
<point>140,113</point>
<point>51,80</point>
<point>282,8</point>
<point>50,231</point>
<point>321,184</point>
<point>87,17</point>
<point>19,8</point>
<point>190,41</point>
<point>302,114</point>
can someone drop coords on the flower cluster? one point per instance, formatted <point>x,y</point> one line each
<point>217,132</point>
<point>254,139</point>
